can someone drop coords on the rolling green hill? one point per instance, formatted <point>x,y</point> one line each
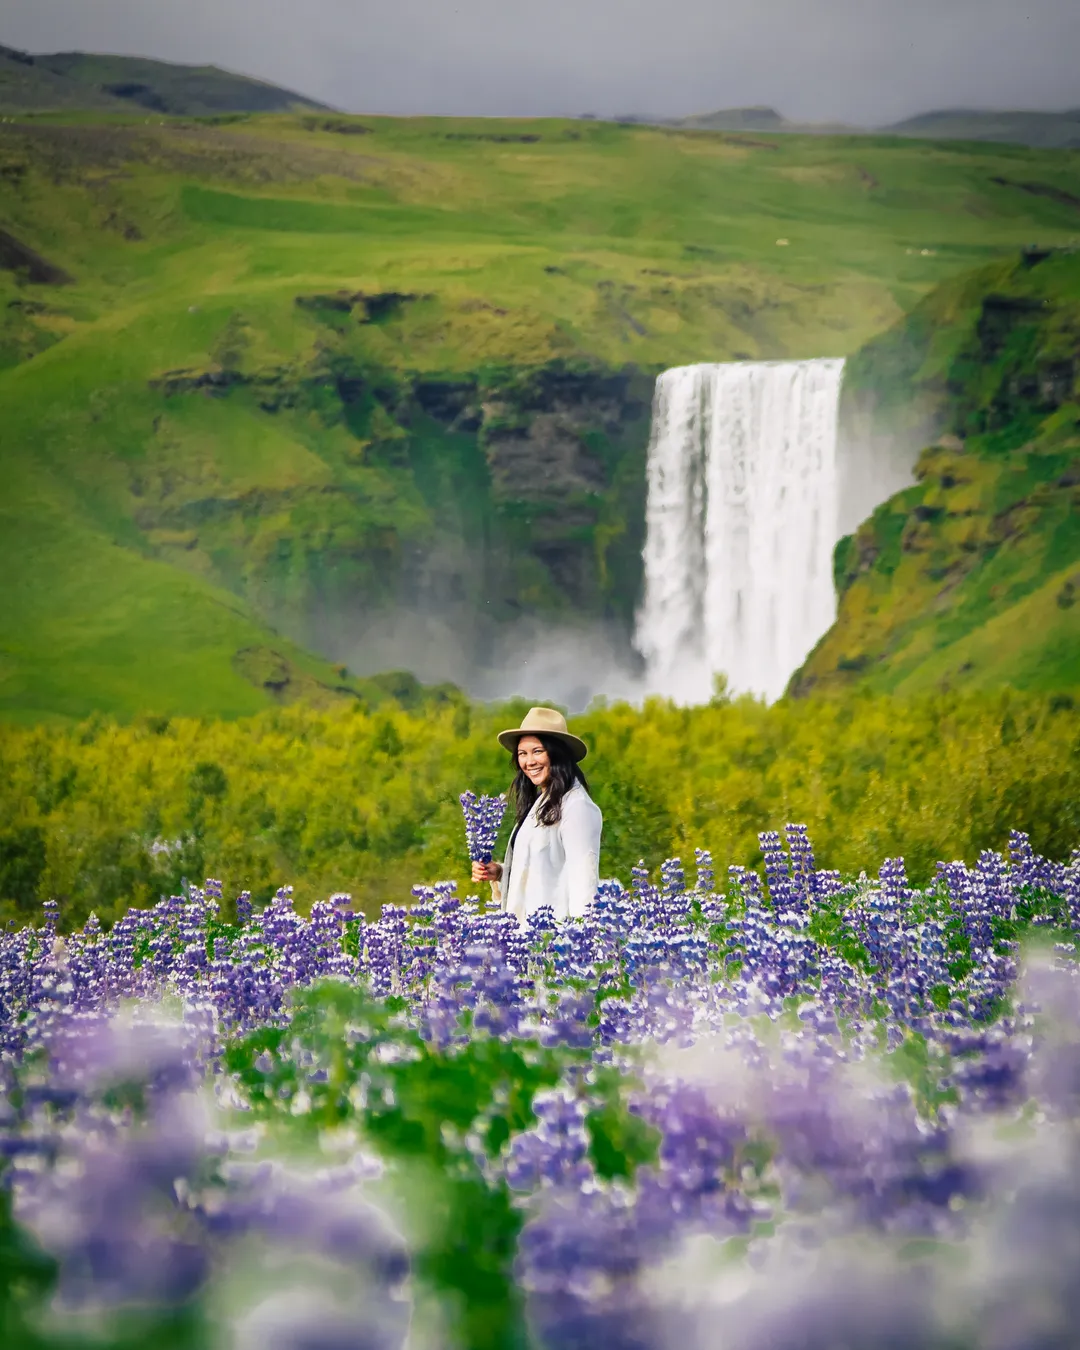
<point>374,387</point>
<point>26,85</point>
<point>78,80</point>
<point>760,119</point>
<point>1043,129</point>
<point>972,576</point>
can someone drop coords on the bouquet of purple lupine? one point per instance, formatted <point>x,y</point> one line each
<point>483,816</point>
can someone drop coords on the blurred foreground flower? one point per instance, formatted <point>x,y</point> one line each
<point>151,1213</point>
<point>801,1112</point>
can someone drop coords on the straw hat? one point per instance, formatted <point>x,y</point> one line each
<point>544,722</point>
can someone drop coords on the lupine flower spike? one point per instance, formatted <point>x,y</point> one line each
<point>483,816</point>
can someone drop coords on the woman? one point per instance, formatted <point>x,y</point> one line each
<point>553,857</point>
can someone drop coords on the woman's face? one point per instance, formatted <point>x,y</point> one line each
<point>533,760</point>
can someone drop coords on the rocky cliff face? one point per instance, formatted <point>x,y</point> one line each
<point>431,513</point>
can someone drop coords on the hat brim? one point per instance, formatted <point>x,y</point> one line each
<point>578,749</point>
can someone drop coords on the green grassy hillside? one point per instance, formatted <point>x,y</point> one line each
<point>972,576</point>
<point>25,86</point>
<point>298,374</point>
<point>70,80</point>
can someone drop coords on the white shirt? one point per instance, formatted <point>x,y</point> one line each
<point>556,865</point>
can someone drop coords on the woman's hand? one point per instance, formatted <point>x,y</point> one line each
<point>491,871</point>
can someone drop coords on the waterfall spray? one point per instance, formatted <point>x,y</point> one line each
<point>741,522</point>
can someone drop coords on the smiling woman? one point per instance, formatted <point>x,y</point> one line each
<point>553,857</point>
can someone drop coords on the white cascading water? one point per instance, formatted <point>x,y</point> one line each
<point>741,523</point>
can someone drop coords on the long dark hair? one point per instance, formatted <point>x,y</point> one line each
<point>563,775</point>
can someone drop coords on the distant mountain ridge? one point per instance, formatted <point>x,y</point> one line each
<point>1049,130</point>
<point>1044,130</point>
<point>762,118</point>
<point>79,81</point>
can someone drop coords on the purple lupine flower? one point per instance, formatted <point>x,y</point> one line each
<point>1070,890</point>
<point>705,878</point>
<point>777,869</point>
<point>875,1159</point>
<point>483,816</point>
<point>672,878</point>
<point>611,908</point>
<point>555,1150</point>
<point>802,866</point>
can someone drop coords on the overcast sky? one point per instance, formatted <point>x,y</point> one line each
<point>864,61</point>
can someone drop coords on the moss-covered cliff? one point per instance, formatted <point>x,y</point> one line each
<point>972,575</point>
<point>431,502</point>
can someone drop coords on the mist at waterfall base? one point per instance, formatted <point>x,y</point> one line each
<point>749,489</point>
<point>531,657</point>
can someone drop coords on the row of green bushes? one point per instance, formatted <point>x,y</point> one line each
<point>103,816</point>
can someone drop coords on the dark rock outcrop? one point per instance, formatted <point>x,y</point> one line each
<point>454,403</point>
<point>366,307</point>
<point>547,460</point>
<point>337,126</point>
<point>191,381</point>
<point>142,94</point>
<point>1047,190</point>
<point>500,138</point>
<point>15,256</point>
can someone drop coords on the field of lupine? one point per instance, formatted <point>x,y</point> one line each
<point>789,1112</point>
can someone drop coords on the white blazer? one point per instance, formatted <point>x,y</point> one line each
<point>556,865</point>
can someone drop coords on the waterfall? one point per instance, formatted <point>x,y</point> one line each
<point>741,522</point>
